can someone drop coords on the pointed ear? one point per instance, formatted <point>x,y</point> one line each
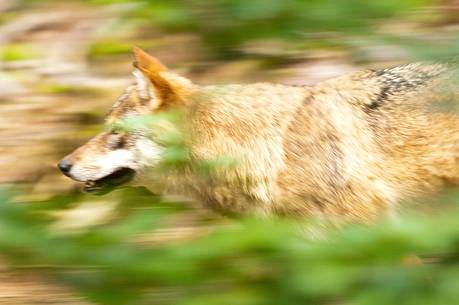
<point>145,62</point>
<point>155,82</point>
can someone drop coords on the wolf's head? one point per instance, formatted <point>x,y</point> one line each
<point>115,156</point>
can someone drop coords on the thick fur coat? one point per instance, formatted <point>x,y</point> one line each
<point>347,149</point>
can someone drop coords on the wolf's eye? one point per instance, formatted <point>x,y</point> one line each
<point>117,140</point>
<point>115,131</point>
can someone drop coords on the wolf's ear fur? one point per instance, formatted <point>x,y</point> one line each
<point>155,83</point>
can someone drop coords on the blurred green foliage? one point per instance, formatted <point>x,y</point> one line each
<point>225,25</point>
<point>18,51</point>
<point>55,88</point>
<point>103,48</point>
<point>252,262</point>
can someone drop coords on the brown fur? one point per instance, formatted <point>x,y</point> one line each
<point>347,149</point>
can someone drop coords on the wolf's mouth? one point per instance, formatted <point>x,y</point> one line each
<point>108,183</point>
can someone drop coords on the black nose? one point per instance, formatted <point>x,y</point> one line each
<point>65,166</point>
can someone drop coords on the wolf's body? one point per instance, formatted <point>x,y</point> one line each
<point>348,149</point>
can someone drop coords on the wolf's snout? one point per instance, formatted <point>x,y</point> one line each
<point>65,166</point>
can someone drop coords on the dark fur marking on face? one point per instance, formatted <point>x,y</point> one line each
<point>121,142</point>
<point>116,140</point>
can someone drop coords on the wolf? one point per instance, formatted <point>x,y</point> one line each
<point>347,149</point>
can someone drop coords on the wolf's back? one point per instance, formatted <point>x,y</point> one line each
<point>367,140</point>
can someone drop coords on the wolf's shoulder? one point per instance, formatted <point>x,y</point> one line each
<point>410,76</point>
<point>400,78</point>
<point>374,88</point>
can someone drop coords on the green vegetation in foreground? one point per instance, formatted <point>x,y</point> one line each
<point>251,262</point>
